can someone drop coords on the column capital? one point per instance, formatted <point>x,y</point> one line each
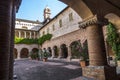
<point>93,20</point>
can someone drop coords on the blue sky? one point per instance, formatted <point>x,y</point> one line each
<point>33,9</point>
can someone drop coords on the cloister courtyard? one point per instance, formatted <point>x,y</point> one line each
<point>86,30</point>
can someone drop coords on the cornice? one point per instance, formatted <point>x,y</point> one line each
<point>89,21</point>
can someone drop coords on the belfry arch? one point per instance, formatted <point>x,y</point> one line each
<point>87,9</point>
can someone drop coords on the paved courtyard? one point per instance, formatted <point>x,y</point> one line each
<point>51,70</point>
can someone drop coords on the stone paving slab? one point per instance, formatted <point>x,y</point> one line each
<point>51,70</point>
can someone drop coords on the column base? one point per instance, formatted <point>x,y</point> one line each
<point>59,57</point>
<point>52,57</point>
<point>69,58</point>
<point>100,72</point>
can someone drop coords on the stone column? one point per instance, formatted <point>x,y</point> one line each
<point>30,35</point>
<point>96,46</point>
<point>5,30</point>
<point>25,34</point>
<point>29,53</point>
<point>19,34</point>
<point>18,55</point>
<point>53,53</point>
<point>11,58</point>
<point>34,35</point>
<point>97,54</point>
<point>98,68</point>
<point>60,53</point>
<point>69,54</point>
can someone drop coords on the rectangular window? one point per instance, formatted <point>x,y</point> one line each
<point>47,30</point>
<point>70,17</point>
<point>60,23</point>
<point>53,27</point>
<point>43,32</point>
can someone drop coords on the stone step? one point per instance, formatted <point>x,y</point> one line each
<point>86,78</point>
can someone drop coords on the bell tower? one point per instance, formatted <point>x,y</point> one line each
<point>47,13</point>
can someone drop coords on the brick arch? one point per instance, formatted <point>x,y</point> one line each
<point>115,19</point>
<point>24,53</point>
<point>88,8</point>
<point>22,34</point>
<point>55,48</point>
<point>16,33</point>
<point>80,7</point>
<point>64,50</point>
<point>49,51</point>
<point>35,50</point>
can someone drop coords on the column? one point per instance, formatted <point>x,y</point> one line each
<point>19,34</point>
<point>11,58</point>
<point>18,55</point>
<point>24,34</point>
<point>29,53</point>
<point>53,52</point>
<point>98,68</point>
<point>60,53</point>
<point>34,35</point>
<point>5,30</point>
<point>96,46</point>
<point>69,54</point>
<point>97,55</point>
<point>30,35</point>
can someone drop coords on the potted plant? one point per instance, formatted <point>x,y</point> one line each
<point>84,61</point>
<point>45,56</point>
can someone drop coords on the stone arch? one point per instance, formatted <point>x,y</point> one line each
<point>88,8</point>
<point>55,49</point>
<point>77,48</point>
<point>27,34</point>
<point>74,49</point>
<point>64,50</point>
<point>80,7</point>
<point>32,34</point>
<point>50,51</point>
<point>15,53</point>
<point>24,53</point>
<point>115,19</point>
<point>35,50</point>
<point>22,34</point>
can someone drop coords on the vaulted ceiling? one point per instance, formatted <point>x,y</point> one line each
<point>87,8</point>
